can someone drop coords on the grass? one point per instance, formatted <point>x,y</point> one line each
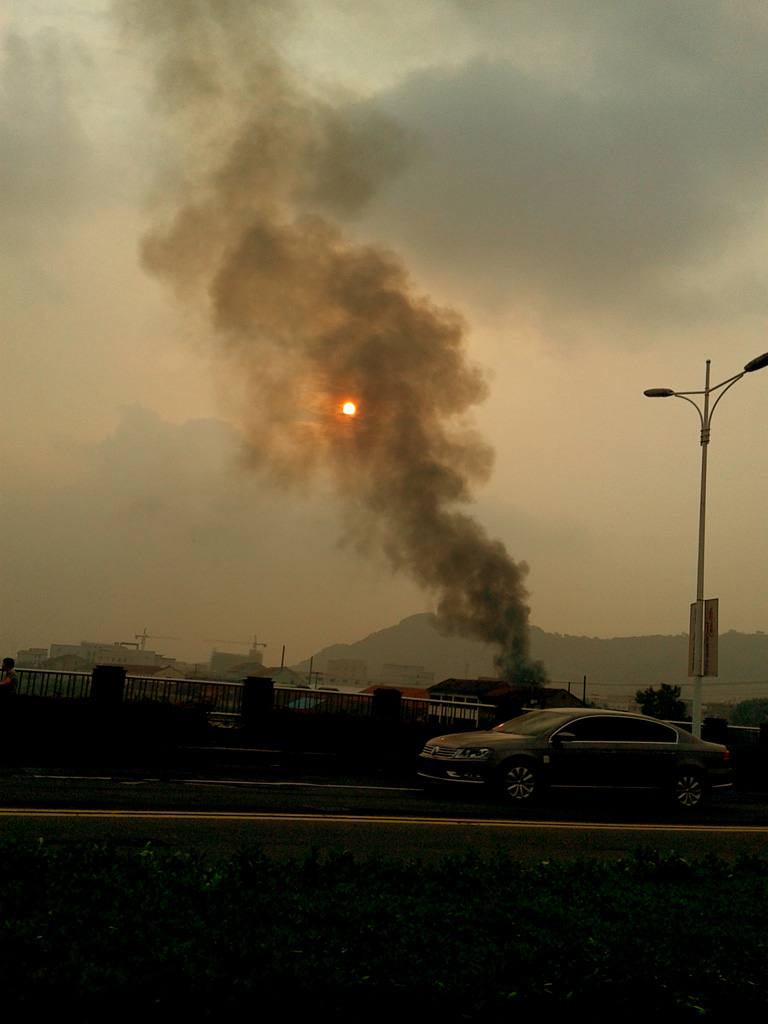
<point>105,933</point>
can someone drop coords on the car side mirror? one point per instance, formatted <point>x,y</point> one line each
<point>562,737</point>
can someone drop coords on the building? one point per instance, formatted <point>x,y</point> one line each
<point>65,663</point>
<point>508,698</point>
<point>414,676</point>
<point>31,657</point>
<point>347,672</point>
<point>109,654</point>
<point>162,671</point>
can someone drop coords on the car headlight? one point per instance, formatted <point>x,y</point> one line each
<point>474,753</point>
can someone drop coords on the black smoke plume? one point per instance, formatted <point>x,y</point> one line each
<point>262,175</point>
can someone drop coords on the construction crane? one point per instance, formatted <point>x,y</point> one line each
<point>237,643</point>
<point>143,637</point>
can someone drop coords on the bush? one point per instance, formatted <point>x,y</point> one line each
<point>151,932</point>
<point>663,703</point>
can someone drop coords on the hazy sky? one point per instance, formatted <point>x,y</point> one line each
<point>583,184</point>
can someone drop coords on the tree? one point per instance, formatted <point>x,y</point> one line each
<point>750,712</point>
<point>662,703</point>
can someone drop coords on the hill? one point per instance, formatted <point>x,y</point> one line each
<point>637,661</point>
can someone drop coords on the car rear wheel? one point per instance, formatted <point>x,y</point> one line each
<point>519,782</point>
<point>688,789</point>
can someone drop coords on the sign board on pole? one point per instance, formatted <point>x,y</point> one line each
<point>703,661</point>
<point>710,637</point>
<point>694,655</point>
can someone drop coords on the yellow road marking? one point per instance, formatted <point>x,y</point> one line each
<point>31,812</point>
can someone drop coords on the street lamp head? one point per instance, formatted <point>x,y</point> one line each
<point>658,393</point>
<point>757,364</point>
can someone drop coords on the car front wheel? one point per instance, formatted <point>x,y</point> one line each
<point>520,782</point>
<point>688,789</point>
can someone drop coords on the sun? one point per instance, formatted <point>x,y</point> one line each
<point>349,408</point>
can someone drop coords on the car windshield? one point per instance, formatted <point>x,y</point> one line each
<point>533,724</point>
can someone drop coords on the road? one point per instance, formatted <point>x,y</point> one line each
<point>289,811</point>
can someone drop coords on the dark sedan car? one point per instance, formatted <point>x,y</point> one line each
<point>584,747</point>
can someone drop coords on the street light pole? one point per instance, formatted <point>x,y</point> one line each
<point>699,666</point>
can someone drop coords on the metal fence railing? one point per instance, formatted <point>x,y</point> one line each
<point>323,702</point>
<point>730,735</point>
<point>46,683</point>
<point>226,698</point>
<point>224,701</point>
<point>363,705</point>
<point>448,714</point>
<point>217,697</point>
<point>744,734</point>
